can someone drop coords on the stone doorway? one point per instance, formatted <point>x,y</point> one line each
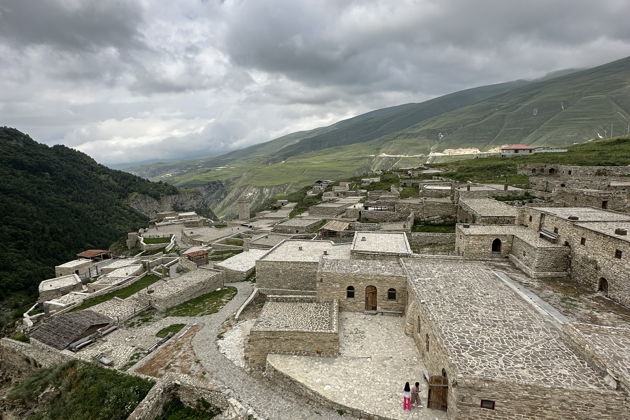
<point>496,246</point>
<point>370,298</point>
<point>602,286</point>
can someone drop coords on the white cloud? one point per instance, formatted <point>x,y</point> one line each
<point>128,81</point>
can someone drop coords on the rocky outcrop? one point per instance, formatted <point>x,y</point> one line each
<point>198,199</point>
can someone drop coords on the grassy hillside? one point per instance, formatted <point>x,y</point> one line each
<point>55,202</point>
<point>605,152</point>
<point>561,109</point>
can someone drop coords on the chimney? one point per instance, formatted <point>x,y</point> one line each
<point>468,187</point>
<point>325,252</point>
<point>300,248</point>
<point>363,238</point>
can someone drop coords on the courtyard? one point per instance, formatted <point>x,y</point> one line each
<point>376,359</point>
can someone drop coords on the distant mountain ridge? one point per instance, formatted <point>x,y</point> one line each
<point>560,109</point>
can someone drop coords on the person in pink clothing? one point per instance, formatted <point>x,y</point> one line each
<point>407,397</point>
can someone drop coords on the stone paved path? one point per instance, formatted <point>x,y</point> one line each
<point>270,402</point>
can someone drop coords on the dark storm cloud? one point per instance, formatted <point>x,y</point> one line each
<point>129,80</point>
<point>72,24</point>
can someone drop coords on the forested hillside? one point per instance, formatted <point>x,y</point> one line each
<point>55,202</point>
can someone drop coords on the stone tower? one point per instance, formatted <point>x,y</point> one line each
<point>243,208</point>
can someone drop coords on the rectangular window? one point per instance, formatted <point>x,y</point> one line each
<point>605,204</point>
<point>489,404</point>
<point>555,230</point>
<point>583,241</point>
<point>618,253</point>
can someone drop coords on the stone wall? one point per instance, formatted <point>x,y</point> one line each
<point>285,275</point>
<point>540,262</point>
<point>186,290</point>
<point>420,239</point>
<point>378,216</point>
<point>311,342</point>
<point>333,286</point>
<point>481,245</point>
<point>44,355</point>
<point>591,198</point>
<point>573,171</point>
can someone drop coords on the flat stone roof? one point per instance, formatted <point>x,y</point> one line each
<point>269,239</point>
<point>299,222</point>
<point>381,242</point>
<point>608,228</point>
<point>489,187</point>
<point>489,332</point>
<point>332,205</point>
<point>59,283</point>
<point>164,289</point>
<point>311,251</point>
<point>489,207</point>
<point>585,214</point>
<point>119,263</point>
<point>76,263</point>
<point>244,261</point>
<point>211,234</point>
<point>296,316</point>
<point>363,267</point>
<point>126,271</point>
<point>527,235</point>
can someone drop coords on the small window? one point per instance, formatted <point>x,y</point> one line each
<point>350,292</point>
<point>530,218</point>
<point>555,230</point>
<point>418,325</point>
<point>582,241</point>
<point>427,342</point>
<point>570,172</point>
<point>489,404</point>
<point>605,204</point>
<point>618,253</point>
<point>391,294</point>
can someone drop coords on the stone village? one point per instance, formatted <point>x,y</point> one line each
<point>521,311</point>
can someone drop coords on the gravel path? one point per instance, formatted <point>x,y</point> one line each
<point>270,402</point>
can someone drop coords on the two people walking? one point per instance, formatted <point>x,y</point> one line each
<point>411,396</point>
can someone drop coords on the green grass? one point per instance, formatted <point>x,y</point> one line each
<point>81,391</point>
<point>123,293</point>
<point>608,152</point>
<point>174,328</point>
<point>205,304</point>
<point>174,409</point>
<point>20,336</point>
<point>234,241</point>
<point>409,192</point>
<point>154,241</point>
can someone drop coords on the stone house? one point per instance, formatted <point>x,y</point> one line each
<point>363,285</point>
<point>514,150</point>
<point>604,199</point>
<point>380,245</point>
<point>240,266</point>
<point>330,209</point>
<point>486,211</point>
<point>298,225</point>
<point>80,267</point>
<point>59,286</point>
<point>500,361</point>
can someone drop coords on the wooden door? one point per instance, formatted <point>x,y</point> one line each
<point>370,298</point>
<point>438,393</point>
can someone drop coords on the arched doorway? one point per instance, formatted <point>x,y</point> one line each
<point>496,246</point>
<point>370,298</point>
<point>602,286</point>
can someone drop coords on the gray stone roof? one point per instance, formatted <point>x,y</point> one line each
<point>62,330</point>
<point>307,251</point>
<point>381,243</point>
<point>363,267</point>
<point>584,214</point>
<point>299,222</point>
<point>489,207</point>
<point>297,316</point>
<point>489,332</point>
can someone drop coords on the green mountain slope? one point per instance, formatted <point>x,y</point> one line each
<point>560,109</point>
<point>55,202</point>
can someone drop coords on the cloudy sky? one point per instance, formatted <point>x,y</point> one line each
<point>127,81</point>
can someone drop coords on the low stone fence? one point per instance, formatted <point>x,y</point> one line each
<point>45,356</point>
<point>420,239</point>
